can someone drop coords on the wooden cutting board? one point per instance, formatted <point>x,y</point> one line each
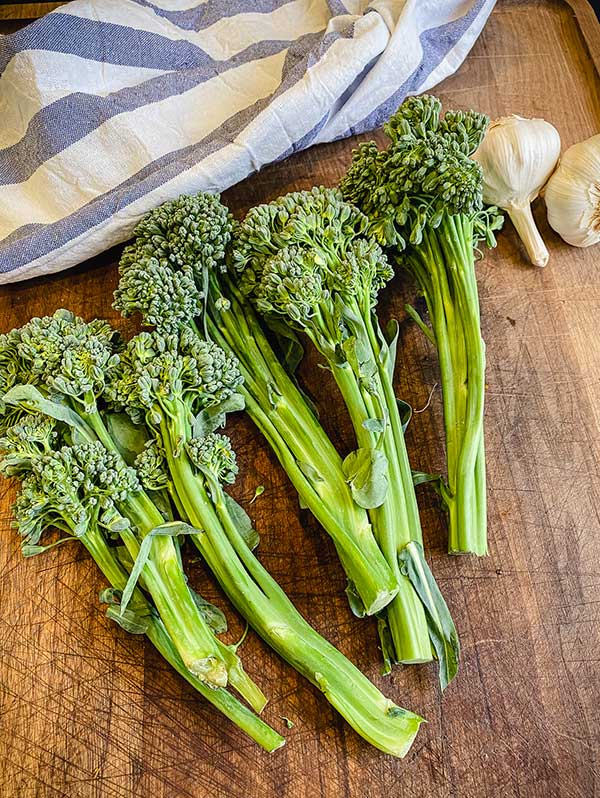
<point>88,711</point>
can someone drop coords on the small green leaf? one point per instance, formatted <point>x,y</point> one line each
<point>214,617</point>
<point>389,351</point>
<point>242,522</point>
<point>366,471</point>
<point>288,344</point>
<point>129,438</point>
<point>260,489</point>
<point>309,471</point>
<point>427,331</point>
<point>110,595</point>
<point>354,600</point>
<point>375,425</point>
<point>212,418</point>
<point>132,621</point>
<point>171,529</point>
<point>287,722</point>
<point>28,397</point>
<point>360,357</point>
<point>405,410</point>
<point>274,394</point>
<point>442,632</point>
<point>386,643</point>
<point>29,550</point>
<point>128,620</point>
<point>420,478</point>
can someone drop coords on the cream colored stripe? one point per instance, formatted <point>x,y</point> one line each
<point>124,144</point>
<point>36,78</point>
<point>226,37</point>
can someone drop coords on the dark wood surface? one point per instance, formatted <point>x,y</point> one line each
<point>87,711</point>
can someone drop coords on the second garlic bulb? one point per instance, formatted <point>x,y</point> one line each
<point>517,157</point>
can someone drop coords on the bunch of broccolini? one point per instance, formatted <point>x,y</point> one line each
<point>182,387</point>
<point>174,272</point>
<point>54,437</point>
<point>63,382</point>
<point>306,261</point>
<point>117,444</point>
<point>423,198</point>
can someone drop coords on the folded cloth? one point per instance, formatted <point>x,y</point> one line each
<point>110,107</point>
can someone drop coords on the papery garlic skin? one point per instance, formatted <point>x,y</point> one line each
<point>573,194</point>
<point>517,157</point>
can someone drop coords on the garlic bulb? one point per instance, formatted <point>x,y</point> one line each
<point>573,194</point>
<point>517,157</point>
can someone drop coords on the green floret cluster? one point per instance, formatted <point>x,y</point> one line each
<point>425,173</point>
<point>76,483</point>
<point>157,369</point>
<point>166,299</point>
<point>65,355</point>
<point>31,436</point>
<point>318,220</point>
<point>165,272</point>
<point>151,467</point>
<point>214,456</point>
<point>305,257</point>
<point>191,231</point>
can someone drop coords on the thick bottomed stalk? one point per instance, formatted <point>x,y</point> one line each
<point>247,721</point>
<point>267,609</point>
<point>446,274</point>
<point>280,411</point>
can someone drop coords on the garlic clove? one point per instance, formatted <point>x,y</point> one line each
<point>573,194</point>
<point>517,157</point>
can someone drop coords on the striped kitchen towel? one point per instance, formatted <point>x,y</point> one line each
<point>110,107</point>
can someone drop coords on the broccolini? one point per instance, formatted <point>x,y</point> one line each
<point>61,366</point>
<point>182,387</point>
<point>423,198</point>
<point>306,259</point>
<point>175,271</point>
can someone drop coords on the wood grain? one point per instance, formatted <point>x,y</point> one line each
<point>26,10</point>
<point>89,712</point>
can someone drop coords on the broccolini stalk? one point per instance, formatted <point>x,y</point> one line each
<point>51,498</point>
<point>177,260</point>
<point>198,461</point>
<point>423,197</point>
<point>305,259</point>
<point>69,363</point>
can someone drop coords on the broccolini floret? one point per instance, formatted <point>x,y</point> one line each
<point>213,455</point>
<point>307,260</point>
<point>189,237</point>
<point>424,199</point>
<point>161,371</point>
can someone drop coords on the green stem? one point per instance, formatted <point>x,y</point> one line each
<point>297,437</point>
<point>156,632</point>
<point>445,269</point>
<point>405,614</point>
<point>203,654</point>
<point>269,611</point>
